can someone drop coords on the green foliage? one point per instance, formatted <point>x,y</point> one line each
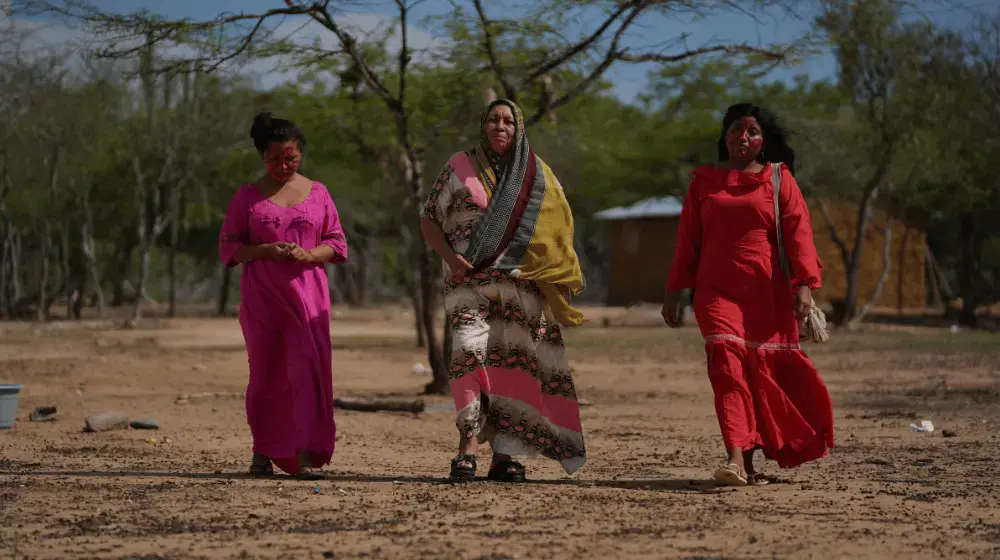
<point>923,93</point>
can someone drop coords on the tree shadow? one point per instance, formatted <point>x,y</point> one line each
<point>650,485</point>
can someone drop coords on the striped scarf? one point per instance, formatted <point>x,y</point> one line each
<point>504,178</point>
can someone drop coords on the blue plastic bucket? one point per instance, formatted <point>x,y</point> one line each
<point>8,405</point>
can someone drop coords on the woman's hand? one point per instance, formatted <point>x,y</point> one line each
<point>671,309</point>
<point>458,265</point>
<point>276,251</point>
<point>803,302</point>
<point>300,255</point>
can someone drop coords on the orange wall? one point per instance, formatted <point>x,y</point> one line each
<point>642,250</point>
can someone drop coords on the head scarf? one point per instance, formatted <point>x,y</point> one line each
<point>508,178</point>
<point>527,228</point>
<point>492,163</point>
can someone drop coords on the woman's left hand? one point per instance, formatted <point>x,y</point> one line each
<point>300,255</point>
<point>803,302</point>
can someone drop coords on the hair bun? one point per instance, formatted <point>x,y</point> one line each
<point>261,122</point>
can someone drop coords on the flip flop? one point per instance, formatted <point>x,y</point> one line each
<point>730,475</point>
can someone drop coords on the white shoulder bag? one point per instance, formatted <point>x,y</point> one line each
<point>813,327</point>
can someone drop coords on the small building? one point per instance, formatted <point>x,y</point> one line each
<point>641,246</point>
<point>642,238</point>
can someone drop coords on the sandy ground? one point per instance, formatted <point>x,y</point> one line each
<point>885,492</point>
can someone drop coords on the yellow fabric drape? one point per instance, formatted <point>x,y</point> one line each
<point>550,260</point>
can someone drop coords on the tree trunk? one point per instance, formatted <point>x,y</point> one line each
<point>225,283</point>
<point>147,233</point>
<point>428,289</point>
<point>901,270</point>
<point>360,257</point>
<point>16,251</point>
<point>349,278</point>
<point>140,286</point>
<point>123,268</point>
<point>43,276</point>
<point>90,254</point>
<point>143,242</point>
<point>69,273</point>
<point>175,217</point>
<point>409,278</point>
<point>971,254</point>
<point>857,255</point>
<point>880,284</point>
<point>373,271</point>
<point>427,276</point>
<point>5,250</point>
<point>936,301</point>
<point>5,267</point>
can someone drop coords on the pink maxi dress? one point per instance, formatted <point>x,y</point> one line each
<point>285,316</point>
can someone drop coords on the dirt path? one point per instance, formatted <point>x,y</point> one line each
<point>886,492</point>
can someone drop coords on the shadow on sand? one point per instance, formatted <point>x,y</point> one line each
<point>648,485</point>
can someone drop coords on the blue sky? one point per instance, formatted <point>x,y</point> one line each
<point>762,29</point>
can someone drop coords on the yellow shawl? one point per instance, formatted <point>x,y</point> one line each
<point>549,258</point>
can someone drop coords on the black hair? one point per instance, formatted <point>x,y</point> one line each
<point>776,148</point>
<point>267,129</point>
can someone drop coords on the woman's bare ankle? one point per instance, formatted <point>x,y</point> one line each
<point>748,462</point>
<point>467,447</point>
<point>736,458</point>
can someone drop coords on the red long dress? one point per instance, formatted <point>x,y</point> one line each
<point>768,393</point>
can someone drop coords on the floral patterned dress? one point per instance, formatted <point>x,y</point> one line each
<point>509,374</point>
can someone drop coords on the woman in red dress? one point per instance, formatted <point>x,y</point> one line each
<point>768,394</point>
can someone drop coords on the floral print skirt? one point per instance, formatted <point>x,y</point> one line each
<point>509,374</point>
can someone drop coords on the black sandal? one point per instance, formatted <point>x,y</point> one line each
<point>261,465</point>
<point>463,472</point>
<point>507,471</point>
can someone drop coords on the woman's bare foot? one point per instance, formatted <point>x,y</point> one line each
<point>505,469</point>
<point>748,462</point>
<point>463,466</point>
<point>734,472</point>
<point>306,471</point>
<point>754,478</point>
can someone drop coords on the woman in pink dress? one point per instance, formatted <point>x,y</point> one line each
<point>283,228</point>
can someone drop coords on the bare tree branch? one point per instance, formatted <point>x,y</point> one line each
<point>773,55</point>
<point>488,44</point>
<point>321,14</point>
<point>548,64</point>
<point>880,284</point>
<point>831,227</point>
<point>584,84</point>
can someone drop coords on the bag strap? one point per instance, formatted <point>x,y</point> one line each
<point>776,182</point>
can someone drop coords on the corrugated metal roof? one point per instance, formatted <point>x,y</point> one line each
<point>662,207</point>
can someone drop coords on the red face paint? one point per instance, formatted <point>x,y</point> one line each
<point>282,160</point>
<point>744,139</point>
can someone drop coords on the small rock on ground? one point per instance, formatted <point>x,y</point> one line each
<point>106,422</point>
<point>43,414</point>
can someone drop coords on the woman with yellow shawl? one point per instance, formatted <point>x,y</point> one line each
<point>498,218</point>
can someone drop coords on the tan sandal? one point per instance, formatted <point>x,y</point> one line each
<point>730,475</point>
